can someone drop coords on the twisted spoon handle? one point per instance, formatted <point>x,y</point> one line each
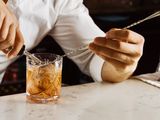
<point>85,47</point>
<point>154,15</point>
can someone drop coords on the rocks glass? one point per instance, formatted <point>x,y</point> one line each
<point>44,79</point>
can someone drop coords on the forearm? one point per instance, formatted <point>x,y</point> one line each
<point>112,74</point>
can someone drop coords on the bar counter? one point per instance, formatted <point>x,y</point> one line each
<point>128,100</point>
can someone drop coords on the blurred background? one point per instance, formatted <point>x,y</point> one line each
<point>106,14</point>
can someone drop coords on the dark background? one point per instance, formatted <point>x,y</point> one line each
<point>106,14</point>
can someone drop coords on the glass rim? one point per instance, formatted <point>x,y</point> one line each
<point>57,57</point>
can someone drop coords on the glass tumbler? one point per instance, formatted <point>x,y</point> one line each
<point>43,82</point>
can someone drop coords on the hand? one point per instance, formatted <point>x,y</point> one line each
<point>10,35</point>
<point>121,47</point>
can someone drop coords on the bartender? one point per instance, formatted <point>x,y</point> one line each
<point>112,56</point>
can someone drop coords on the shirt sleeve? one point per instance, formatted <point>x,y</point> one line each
<point>74,28</point>
<point>36,18</point>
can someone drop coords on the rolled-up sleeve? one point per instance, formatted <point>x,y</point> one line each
<point>75,28</point>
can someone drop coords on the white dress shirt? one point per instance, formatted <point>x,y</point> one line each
<point>67,21</point>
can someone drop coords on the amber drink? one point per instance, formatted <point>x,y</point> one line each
<point>44,79</point>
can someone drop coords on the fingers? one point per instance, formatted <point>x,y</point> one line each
<point>4,29</point>
<point>125,35</point>
<point>10,38</point>
<point>1,20</point>
<point>112,54</point>
<point>114,62</point>
<point>8,26</point>
<point>119,46</point>
<point>18,44</point>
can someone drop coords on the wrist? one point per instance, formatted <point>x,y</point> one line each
<point>113,73</point>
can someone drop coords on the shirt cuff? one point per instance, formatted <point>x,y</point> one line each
<point>95,68</point>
